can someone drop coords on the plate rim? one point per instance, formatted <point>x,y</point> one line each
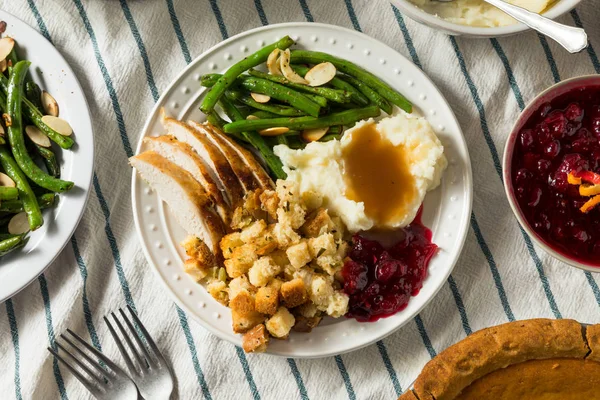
<point>155,111</point>
<point>92,152</point>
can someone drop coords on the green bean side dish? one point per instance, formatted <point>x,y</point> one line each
<point>35,187</point>
<point>353,94</point>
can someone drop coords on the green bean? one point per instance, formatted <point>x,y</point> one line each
<point>13,243</point>
<point>342,118</point>
<point>209,80</point>
<point>320,100</point>
<point>335,95</point>
<point>278,109</point>
<point>16,138</point>
<point>229,77</point>
<point>372,95</point>
<point>339,84</point>
<point>46,200</point>
<point>4,236</point>
<point>264,114</point>
<point>12,59</point>
<point>30,204</point>
<point>281,93</point>
<point>349,68</point>
<point>49,160</point>
<point>215,119</point>
<point>8,193</point>
<point>295,142</point>
<point>33,93</point>
<point>273,162</point>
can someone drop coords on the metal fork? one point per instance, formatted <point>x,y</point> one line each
<point>112,383</point>
<point>150,372</point>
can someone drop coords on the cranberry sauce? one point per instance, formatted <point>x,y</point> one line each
<point>381,281</point>
<point>560,137</point>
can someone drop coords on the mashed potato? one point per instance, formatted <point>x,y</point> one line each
<point>478,12</point>
<point>376,176</point>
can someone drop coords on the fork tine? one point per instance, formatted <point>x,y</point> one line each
<point>88,385</point>
<point>95,352</point>
<point>81,365</point>
<point>92,362</point>
<point>117,340</point>
<point>147,336</point>
<point>130,344</point>
<point>139,342</point>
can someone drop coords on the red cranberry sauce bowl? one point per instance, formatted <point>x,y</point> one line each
<point>380,281</point>
<point>560,138</point>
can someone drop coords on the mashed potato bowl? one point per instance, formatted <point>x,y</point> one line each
<point>414,12</point>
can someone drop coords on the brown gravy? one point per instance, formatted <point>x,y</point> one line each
<point>378,174</point>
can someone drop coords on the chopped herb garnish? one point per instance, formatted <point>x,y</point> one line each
<point>321,251</point>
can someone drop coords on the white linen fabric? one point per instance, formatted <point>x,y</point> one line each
<point>125,53</point>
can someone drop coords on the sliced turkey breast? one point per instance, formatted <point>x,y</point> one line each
<point>212,157</point>
<point>184,195</point>
<point>184,156</point>
<point>239,167</point>
<point>249,159</point>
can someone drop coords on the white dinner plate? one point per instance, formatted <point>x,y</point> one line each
<point>50,70</point>
<point>446,210</point>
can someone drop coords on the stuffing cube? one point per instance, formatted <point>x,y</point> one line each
<point>280,258</point>
<point>195,269</point>
<point>280,324</point>
<point>240,284</point>
<point>312,200</point>
<point>266,242</point>
<point>321,291</point>
<point>229,243</point>
<point>240,219</point>
<point>287,191</point>
<point>262,271</point>
<point>241,260</point>
<point>323,245</point>
<point>317,224</point>
<point>195,248</point>
<point>307,310</point>
<point>299,254</point>
<point>305,325</point>
<point>267,300</point>
<point>253,206</point>
<point>291,214</point>
<point>276,284</point>
<point>338,304</point>
<point>256,339</point>
<point>269,203</point>
<point>285,235</point>
<point>218,290</point>
<point>243,313</point>
<point>252,231</point>
<point>294,293</point>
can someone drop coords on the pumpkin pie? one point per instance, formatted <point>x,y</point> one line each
<point>538,359</point>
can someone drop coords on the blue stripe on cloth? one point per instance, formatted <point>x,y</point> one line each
<point>107,80</point>
<point>407,39</point>
<point>219,18</point>
<point>352,15</point>
<point>246,367</point>
<point>261,12</point>
<point>141,47</point>
<point>425,336</point>
<point>509,73</point>
<point>460,305</point>
<point>192,347</point>
<point>492,263</point>
<point>389,367</point>
<point>14,333</point>
<point>87,313</point>
<point>178,32</point>
<point>38,18</point>
<point>590,49</point>
<point>306,11</point>
<point>113,244</point>
<point>340,364</point>
<point>494,152</point>
<point>298,377</point>
<point>549,57</point>
<point>51,337</point>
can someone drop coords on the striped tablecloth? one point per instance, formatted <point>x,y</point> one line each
<point>125,52</point>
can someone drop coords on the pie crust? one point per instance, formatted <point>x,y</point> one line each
<point>566,345</point>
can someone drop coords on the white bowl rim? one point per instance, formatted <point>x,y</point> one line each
<point>421,16</point>
<point>506,176</point>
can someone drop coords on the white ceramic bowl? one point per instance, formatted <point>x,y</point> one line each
<point>546,96</point>
<point>414,12</point>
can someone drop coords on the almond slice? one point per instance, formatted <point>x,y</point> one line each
<point>2,131</point>
<point>273,62</point>
<point>3,65</point>
<point>49,103</point>
<point>252,117</point>
<point>260,98</point>
<point>320,74</point>
<point>6,46</point>
<point>276,131</point>
<point>18,224</point>
<point>6,180</point>
<point>313,135</point>
<point>58,124</point>
<point>36,136</point>
<point>288,72</point>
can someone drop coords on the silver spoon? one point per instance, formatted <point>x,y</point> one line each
<point>571,38</point>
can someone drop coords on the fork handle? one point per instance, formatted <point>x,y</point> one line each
<point>571,38</point>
